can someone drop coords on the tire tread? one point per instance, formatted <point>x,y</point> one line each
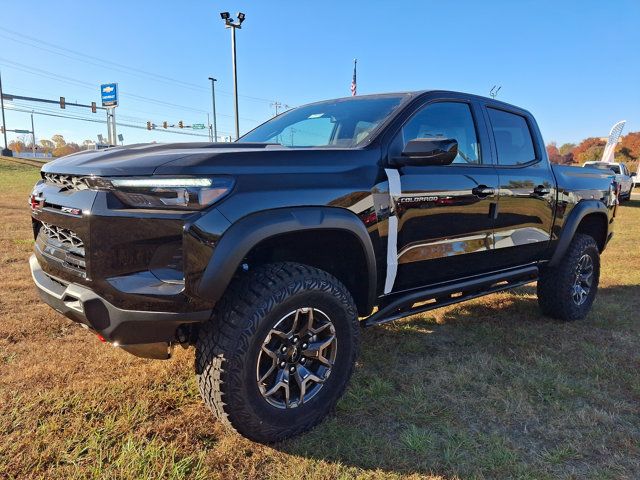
<point>223,341</point>
<point>554,283</point>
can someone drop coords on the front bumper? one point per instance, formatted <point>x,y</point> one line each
<point>143,333</point>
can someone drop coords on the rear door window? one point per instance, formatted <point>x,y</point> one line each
<point>511,132</point>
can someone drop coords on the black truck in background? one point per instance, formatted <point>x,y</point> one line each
<point>270,253</point>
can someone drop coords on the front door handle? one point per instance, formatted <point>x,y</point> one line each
<point>541,190</point>
<point>483,191</point>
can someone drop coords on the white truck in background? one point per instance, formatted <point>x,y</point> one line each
<point>624,179</point>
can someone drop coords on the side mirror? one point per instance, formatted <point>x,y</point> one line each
<point>429,151</point>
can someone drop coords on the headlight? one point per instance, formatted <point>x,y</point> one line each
<point>165,192</point>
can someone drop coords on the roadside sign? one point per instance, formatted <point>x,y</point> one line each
<point>109,94</point>
<point>121,137</point>
<point>22,131</point>
<point>198,126</point>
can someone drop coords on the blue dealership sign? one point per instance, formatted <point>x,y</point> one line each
<point>109,94</point>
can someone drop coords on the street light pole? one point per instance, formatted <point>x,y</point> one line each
<point>6,152</point>
<point>235,79</point>
<point>230,23</point>
<point>213,99</point>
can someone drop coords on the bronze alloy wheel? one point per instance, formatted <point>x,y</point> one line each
<point>296,358</point>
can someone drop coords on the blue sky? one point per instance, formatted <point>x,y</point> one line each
<point>574,64</point>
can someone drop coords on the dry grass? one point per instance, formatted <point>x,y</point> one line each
<point>486,389</point>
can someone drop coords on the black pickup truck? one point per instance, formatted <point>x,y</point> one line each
<point>270,253</point>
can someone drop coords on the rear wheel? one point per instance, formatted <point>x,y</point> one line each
<point>279,351</point>
<point>566,291</point>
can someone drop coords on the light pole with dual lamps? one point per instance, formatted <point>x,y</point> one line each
<point>233,24</point>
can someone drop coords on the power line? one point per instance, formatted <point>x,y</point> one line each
<point>118,66</point>
<point>83,84</point>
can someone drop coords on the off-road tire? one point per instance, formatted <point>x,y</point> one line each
<point>228,346</point>
<point>555,283</point>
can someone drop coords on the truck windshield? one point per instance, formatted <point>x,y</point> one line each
<point>344,122</point>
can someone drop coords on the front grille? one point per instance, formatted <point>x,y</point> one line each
<point>64,236</point>
<point>62,246</point>
<point>66,182</point>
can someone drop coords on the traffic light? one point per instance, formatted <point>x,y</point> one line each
<point>180,124</point>
<point>2,129</point>
<point>165,125</point>
<point>62,102</point>
<point>94,108</point>
<point>148,125</point>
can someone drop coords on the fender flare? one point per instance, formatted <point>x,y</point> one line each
<point>581,210</point>
<point>246,233</point>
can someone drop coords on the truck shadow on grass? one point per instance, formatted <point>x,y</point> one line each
<point>492,388</point>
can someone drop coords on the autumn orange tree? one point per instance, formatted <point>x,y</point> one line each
<point>553,153</point>
<point>17,146</point>
<point>589,149</point>
<point>628,150</point>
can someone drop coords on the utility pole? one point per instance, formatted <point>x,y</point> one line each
<point>6,152</point>
<point>277,105</point>
<point>229,23</point>
<point>213,99</point>
<point>33,137</point>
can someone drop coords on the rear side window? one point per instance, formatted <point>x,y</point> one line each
<point>513,138</point>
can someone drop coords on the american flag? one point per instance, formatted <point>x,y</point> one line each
<point>354,83</point>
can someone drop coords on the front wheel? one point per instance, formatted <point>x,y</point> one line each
<point>567,290</point>
<point>278,352</point>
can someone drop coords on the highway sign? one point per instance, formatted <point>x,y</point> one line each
<point>198,126</point>
<point>109,94</point>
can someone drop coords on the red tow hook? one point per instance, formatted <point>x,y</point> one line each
<point>101,338</point>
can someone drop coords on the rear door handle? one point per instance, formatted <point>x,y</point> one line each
<point>483,191</point>
<point>541,190</point>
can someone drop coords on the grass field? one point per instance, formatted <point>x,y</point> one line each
<point>485,389</point>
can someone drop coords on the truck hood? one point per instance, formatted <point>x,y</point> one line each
<point>145,159</point>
